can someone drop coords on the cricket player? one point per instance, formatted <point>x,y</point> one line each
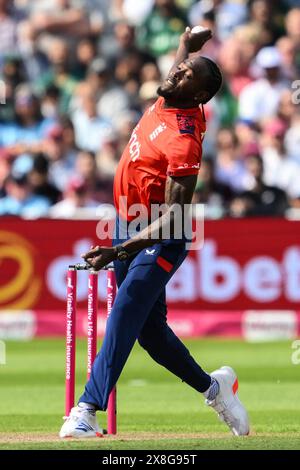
<point>159,165</point>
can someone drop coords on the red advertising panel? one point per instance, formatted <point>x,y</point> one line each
<point>247,264</point>
<point>244,264</point>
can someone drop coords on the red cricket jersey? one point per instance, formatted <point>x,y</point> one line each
<point>164,142</point>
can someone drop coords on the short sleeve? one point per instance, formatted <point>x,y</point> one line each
<point>184,154</point>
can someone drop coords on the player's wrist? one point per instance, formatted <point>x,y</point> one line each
<point>185,39</point>
<point>121,253</point>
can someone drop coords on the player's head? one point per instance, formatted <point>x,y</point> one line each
<point>194,82</point>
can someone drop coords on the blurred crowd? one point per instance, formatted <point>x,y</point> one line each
<point>76,75</point>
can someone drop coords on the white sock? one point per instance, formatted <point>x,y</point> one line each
<point>213,390</point>
<point>88,407</point>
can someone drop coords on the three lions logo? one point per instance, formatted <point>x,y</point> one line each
<point>186,124</point>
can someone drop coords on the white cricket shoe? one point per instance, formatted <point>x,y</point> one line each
<point>227,404</point>
<point>81,423</point>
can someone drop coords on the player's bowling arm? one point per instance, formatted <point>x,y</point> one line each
<point>182,51</point>
<point>189,43</point>
<point>180,189</point>
<point>179,192</point>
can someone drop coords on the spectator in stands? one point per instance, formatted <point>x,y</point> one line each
<point>76,198</point>
<point>38,178</point>
<point>215,195</point>
<point>264,15</point>
<point>286,108</point>
<point>108,158</point>
<point>5,169</point>
<point>292,24</point>
<point>59,73</point>
<point>279,170</point>
<point>8,29</point>
<point>50,103</point>
<point>20,199</point>
<point>136,12</point>
<point>227,15</point>
<point>235,66</point>
<point>162,27</point>
<point>123,43</point>
<point>13,72</point>
<point>34,59</point>
<point>24,135</point>
<point>248,137</point>
<point>249,39</point>
<point>111,98</point>
<point>150,72</point>
<point>65,18</point>
<point>260,99</point>
<point>127,73</point>
<point>91,129</point>
<point>292,139</point>
<point>230,15</point>
<point>99,189</point>
<point>61,151</point>
<point>261,200</point>
<point>236,76</point>
<point>96,63</point>
<point>230,168</point>
<point>12,76</point>
<point>287,49</point>
<point>86,52</point>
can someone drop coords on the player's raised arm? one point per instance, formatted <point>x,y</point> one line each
<point>190,42</point>
<point>194,82</point>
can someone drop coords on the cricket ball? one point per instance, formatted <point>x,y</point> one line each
<point>198,29</point>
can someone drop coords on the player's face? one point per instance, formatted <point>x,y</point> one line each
<point>184,84</point>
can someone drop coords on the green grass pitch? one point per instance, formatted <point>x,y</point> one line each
<point>155,410</point>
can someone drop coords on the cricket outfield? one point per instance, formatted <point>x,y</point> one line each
<point>155,410</point>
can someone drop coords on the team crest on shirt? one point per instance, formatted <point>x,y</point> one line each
<point>186,124</point>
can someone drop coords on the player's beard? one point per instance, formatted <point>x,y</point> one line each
<point>167,90</point>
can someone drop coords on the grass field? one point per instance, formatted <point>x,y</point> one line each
<point>155,410</point>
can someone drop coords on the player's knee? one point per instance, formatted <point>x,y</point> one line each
<point>143,342</point>
<point>146,341</point>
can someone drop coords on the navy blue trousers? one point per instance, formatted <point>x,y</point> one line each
<point>140,313</point>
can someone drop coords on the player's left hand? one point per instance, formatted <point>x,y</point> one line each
<point>99,256</point>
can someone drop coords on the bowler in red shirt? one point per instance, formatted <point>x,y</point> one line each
<point>159,165</point>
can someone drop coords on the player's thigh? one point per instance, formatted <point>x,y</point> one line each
<point>167,256</point>
<point>121,270</point>
<point>148,275</point>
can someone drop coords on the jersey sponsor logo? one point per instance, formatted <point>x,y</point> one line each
<point>162,127</point>
<point>186,124</point>
<point>134,145</point>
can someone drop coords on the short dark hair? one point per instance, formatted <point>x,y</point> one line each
<point>214,78</point>
<point>40,164</point>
